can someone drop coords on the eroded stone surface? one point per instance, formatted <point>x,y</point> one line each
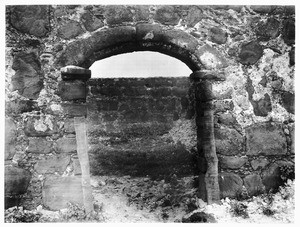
<point>28,77</point>
<point>228,141</point>
<point>16,180</point>
<point>58,191</point>
<point>40,125</point>
<point>288,31</point>
<point>218,35</point>
<point>211,58</point>
<point>259,163</point>
<point>32,19</point>
<point>230,185</point>
<point>268,29</point>
<point>69,30</point>
<point>253,184</point>
<point>250,53</point>
<point>232,162</point>
<point>39,145</point>
<point>265,138</point>
<point>10,137</point>
<point>288,101</point>
<point>118,14</point>
<point>52,164</point>
<point>72,90</point>
<point>90,22</point>
<point>166,15</point>
<point>66,145</point>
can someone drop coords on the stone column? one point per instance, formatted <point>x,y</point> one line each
<point>207,157</point>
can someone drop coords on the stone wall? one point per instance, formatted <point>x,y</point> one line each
<point>252,47</point>
<point>141,127</point>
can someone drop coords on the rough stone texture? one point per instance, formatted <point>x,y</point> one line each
<point>72,90</point>
<point>268,29</point>
<point>39,145</point>
<point>72,73</point>
<point>288,31</point>
<point>32,19</point>
<point>253,184</point>
<point>259,163</point>
<point>66,145</point>
<point>265,139</point>
<point>292,56</point>
<point>218,35</point>
<point>20,106</point>
<point>52,164</point>
<point>40,125</point>
<point>10,138</point>
<point>58,191</point>
<point>226,119</point>
<point>288,101</point>
<point>194,16</point>
<point>292,135</point>
<point>28,77</point>
<point>211,58</point>
<point>69,125</point>
<point>69,30</point>
<point>117,15</point>
<point>166,15</point>
<point>230,185</point>
<point>263,106</point>
<point>250,53</point>
<point>16,180</point>
<point>232,162</point>
<point>271,176</point>
<point>74,109</point>
<point>228,141</point>
<point>90,22</point>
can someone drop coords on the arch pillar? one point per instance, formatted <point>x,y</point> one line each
<point>207,158</point>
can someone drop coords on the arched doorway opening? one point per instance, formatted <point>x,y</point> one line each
<point>176,43</point>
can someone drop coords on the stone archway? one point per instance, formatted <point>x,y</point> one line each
<point>153,37</point>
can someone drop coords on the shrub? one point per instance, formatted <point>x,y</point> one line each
<point>239,209</point>
<point>17,215</point>
<point>287,172</point>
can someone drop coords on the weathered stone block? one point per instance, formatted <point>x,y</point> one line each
<point>32,19</point>
<point>218,35</point>
<point>265,139</point>
<point>166,15</point>
<point>39,145</point>
<point>69,30</point>
<point>227,119</point>
<point>263,9</point>
<point>253,184</point>
<point>69,125</point>
<point>72,90</point>
<point>74,109</point>
<point>58,191</point>
<point>292,56</point>
<point>288,31</point>
<point>263,106</point>
<point>72,72</point>
<point>40,125</point>
<point>232,162</point>
<point>228,141</point>
<point>271,176</point>
<point>20,106</point>
<point>90,22</point>
<point>142,12</point>
<point>10,138</point>
<point>211,58</point>
<point>118,14</point>
<point>292,135</point>
<point>268,29</point>
<point>16,180</point>
<point>259,163</point>
<point>28,77</point>
<point>52,164</point>
<point>230,185</point>
<point>288,101</point>
<point>66,145</point>
<point>250,53</point>
<point>194,16</point>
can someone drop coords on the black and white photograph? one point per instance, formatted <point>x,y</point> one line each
<point>149,112</point>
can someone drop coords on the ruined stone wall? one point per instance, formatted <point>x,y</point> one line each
<point>251,46</point>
